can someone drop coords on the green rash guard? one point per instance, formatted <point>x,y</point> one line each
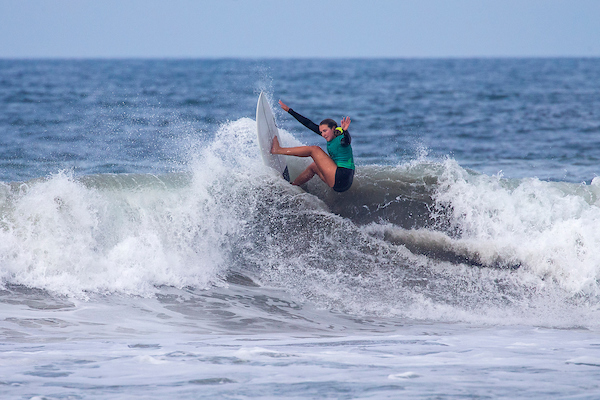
<point>339,148</point>
<point>340,154</point>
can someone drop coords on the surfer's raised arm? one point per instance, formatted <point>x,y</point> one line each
<point>303,120</point>
<point>345,124</point>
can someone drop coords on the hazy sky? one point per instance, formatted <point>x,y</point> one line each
<point>298,28</point>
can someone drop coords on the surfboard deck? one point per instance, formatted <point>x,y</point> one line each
<point>267,130</point>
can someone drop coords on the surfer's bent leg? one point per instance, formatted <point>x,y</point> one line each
<point>324,165</point>
<point>307,175</point>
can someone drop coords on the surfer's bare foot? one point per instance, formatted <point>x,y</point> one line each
<point>275,146</point>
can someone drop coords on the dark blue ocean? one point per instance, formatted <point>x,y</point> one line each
<point>147,252</point>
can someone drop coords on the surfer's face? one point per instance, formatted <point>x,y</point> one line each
<point>327,132</point>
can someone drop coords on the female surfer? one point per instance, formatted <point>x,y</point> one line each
<point>335,169</point>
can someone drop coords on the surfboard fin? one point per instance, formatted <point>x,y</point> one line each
<point>286,174</point>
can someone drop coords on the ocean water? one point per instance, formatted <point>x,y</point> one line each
<point>147,252</point>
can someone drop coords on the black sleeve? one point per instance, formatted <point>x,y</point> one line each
<point>346,139</point>
<point>306,122</point>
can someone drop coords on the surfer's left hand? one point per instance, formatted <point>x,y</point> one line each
<point>345,123</point>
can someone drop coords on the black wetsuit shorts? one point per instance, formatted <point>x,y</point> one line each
<point>343,179</point>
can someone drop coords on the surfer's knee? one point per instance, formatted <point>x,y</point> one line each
<point>315,150</point>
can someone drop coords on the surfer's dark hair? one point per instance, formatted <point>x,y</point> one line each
<point>329,122</point>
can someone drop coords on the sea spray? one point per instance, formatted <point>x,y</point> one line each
<point>130,233</point>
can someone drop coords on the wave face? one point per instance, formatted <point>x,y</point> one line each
<point>424,240</point>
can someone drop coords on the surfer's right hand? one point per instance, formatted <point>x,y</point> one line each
<point>284,106</point>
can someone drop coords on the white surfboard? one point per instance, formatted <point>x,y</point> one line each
<point>267,130</point>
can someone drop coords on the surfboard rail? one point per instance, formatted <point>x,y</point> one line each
<point>266,130</point>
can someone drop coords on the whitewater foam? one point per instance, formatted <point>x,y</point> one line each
<point>548,228</point>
